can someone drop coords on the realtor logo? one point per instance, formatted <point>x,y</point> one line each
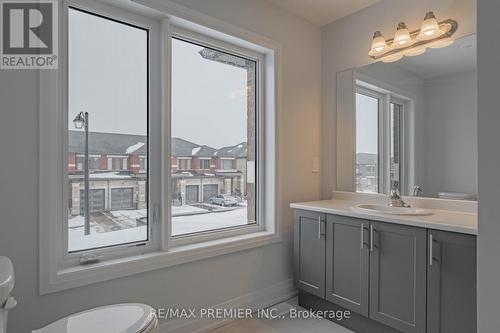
<point>29,34</point>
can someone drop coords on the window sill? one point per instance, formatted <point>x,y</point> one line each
<point>111,269</point>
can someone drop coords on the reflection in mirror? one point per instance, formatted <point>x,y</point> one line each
<point>411,124</point>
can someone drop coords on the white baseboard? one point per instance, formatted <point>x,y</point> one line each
<point>258,299</point>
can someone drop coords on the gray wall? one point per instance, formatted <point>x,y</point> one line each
<point>451,112</point>
<point>488,166</point>
<point>201,283</point>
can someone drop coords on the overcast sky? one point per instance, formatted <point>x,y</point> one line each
<point>366,124</point>
<point>107,75</point>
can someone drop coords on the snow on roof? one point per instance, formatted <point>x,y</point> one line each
<point>109,175</point>
<point>133,148</point>
<point>195,150</point>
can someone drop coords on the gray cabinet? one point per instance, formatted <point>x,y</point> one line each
<point>394,277</point>
<point>451,280</point>
<point>309,252</point>
<point>398,276</point>
<point>347,262</point>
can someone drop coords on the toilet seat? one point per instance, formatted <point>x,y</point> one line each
<point>116,318</point>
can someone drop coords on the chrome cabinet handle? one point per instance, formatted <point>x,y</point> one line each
<point>362,236</point>
<point>371,237</point>
<point>319,227</point>
<point>430,250</point>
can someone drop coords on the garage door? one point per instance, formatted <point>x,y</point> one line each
<point>96,199</point>
<point>122,198</point>
<point>210,190</point>
<point>191,194</point>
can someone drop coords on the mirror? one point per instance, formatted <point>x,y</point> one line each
<point>411,124</point>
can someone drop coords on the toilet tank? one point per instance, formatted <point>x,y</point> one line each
<point>6,279</point>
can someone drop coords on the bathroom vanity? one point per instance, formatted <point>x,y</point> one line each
<point>395,273</point>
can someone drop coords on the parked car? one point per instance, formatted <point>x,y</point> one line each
<point>224,200</point>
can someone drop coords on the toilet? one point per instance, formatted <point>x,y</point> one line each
<point>6,285</point>
<point>116,318</point>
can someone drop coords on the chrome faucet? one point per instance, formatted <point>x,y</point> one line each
<point>396,200</point>
<point>417,190</point>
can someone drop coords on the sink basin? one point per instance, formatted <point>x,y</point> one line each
<point>383,209</point>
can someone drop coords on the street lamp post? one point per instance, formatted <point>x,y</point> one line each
<point>82,121</point>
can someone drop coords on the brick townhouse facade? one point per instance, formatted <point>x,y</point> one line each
<point>118,171</point>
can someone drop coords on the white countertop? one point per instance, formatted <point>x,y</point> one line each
<point>441,219</point>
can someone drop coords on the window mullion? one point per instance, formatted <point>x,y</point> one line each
<point>384,144</point>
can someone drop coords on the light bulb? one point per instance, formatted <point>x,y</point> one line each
<point>402,37</point>
<point>430,28</point>
<point>379,46</point>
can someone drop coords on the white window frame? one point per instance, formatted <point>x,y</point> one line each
<point>192,36</point>
<point>404,149</point>
<point>59,270</point>
<point>387,95</point>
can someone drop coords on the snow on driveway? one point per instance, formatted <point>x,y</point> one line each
<point>180,225</point>
<point>196,223</point>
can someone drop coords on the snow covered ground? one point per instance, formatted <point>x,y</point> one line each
<point>217,220</point>
<point>126,219</point>
<point>78,241</point>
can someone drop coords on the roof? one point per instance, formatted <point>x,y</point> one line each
<point>233,151</point>
<point>107,143</point>
<point>125,144</point>
<point>366,158</point>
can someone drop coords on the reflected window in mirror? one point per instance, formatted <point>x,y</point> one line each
<point>396,115</point>
<point>367,150</point>
<point>380,124</point>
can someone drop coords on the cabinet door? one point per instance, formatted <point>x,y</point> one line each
<point>451,274</point>
<point>309,252</point>
<point>398,276</point>
<point>347,262</point>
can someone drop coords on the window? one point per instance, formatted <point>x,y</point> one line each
<point>126,206</point>
<point>79,162</point>
<point>94,163</point>
<point>227,164</point>
<point>380,143</point>
<point>143,163</point>
<point>184,164</point>
<point>221,119</point>
<point>204,164</point>
<point>367,113</point>
<point>104,53</point>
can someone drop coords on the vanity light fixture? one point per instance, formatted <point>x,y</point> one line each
<point>432,34</point>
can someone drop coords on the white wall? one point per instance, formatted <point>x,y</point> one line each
<point>451,113</point>
<point>201,283</point>
<point>488,166</point>
<point>346,43</point>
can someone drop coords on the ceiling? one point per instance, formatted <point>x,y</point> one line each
<point>458,57</point>
<point>322,12</point>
